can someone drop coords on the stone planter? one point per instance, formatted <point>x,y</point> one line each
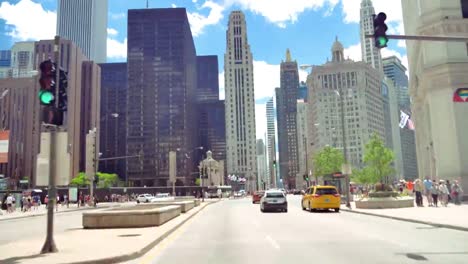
<point>383,194</point>
<point>384,202</point>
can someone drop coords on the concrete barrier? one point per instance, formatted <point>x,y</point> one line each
<point>382,203</point>
<point>185,206</point>
<point>131,217</point>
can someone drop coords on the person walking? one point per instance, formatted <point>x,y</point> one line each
<point>449,187</point>
<point>443,193</point>
<point>9,203</point>
<point>418,188</point>
<point>427,190</point>
<point>435,193</point>
<point>456,192</point>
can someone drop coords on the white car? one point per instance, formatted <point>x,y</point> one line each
<point>162,197</point>
<point>274,200</point>
<point>144,198</point>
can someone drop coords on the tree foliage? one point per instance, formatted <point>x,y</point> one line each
<point>107,180</point>
<point>80,180</point>
<point>328,161</point>
<point>378,160</point>
<point>197,181</point>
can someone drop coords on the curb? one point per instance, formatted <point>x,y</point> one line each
<point>459,228</point>
<point>144,250</point>
<point>60,212</point>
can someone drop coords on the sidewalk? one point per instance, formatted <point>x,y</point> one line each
<point>94,245</point>
<point>42,210</point>
<point>452,216</point>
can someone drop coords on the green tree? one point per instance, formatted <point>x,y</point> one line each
<point>378,160</point>
<point>327,161</point>
<point>107,180</point>
<point>362,176</point>
<point>80,180</point>
<point>197,181</point>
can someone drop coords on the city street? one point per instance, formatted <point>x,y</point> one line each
<point>235,231</point>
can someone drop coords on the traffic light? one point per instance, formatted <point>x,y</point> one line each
<point>380,29</point>
<point>47,93</point>
<point>47,83</point>
<point>62,93</point>
<point>274,163</point>
<point>306,177</point>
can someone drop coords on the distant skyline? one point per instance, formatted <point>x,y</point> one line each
<point>306,27</point>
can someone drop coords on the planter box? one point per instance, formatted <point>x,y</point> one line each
<point>131,217</point>
<point>383,203</point>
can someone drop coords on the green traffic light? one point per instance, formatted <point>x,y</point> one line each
<point>46,97</point>
<point>382,41</point>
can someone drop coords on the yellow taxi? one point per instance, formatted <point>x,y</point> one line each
<point>321,197</point>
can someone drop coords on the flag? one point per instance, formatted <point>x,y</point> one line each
<point>403,119</point>
<point>461,95</point>
<point>410,124</point>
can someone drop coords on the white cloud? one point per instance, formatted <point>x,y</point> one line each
<point>116,49</point>
<point>401,43</point>
<point>266,78</point>
<point>112,32</point>
<point>198,21</point>
<point>173,5</point>
<point>353,52</point>
<point>260,120</point>
<point>30,20</point>
<point>280,12</point>
<point>222,93</point>
<point>117,15</point>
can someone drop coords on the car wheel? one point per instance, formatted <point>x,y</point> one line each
<point>302,205</point>
<point>286,210</point>
<point>253,202</point>
<point>147,200</point>
<point>337,210</point>
<point>261,209</point>
<point>310,208</point>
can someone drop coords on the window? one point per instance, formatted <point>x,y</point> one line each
<point>464,7</point>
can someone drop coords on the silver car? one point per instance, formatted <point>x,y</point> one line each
<point>274,200</point>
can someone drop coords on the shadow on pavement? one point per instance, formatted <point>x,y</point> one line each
<point>428,227</point>
<point>420,255</point>
<point>16,260</point>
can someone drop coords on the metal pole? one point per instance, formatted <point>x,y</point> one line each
<point>49,245</point>
<point>345,151</point>
<point>424,38</point>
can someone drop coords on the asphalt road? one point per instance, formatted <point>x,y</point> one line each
<point>235,231</point>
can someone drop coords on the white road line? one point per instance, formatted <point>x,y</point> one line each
<point>272,242</point>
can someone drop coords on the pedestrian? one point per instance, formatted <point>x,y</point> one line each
<point>427,190</point>
<point>65,199</point>
<point>443,193</point>
<point>456,192</point>
<point>9,203</point>
<point>435,193</point>
<point>46,201</point>
<point>22,200</point>
<point>418,188</point>
<point>449,187</point>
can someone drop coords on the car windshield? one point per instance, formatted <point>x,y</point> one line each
<point>275,195</point>
<point>326,191</point>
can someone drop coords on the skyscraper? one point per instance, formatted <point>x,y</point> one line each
<point>358,85</point>
<point>85,23</point>
<point>22,59</point>
<point>286,109</point>
<point>162,79</point>
<point>396,71</point>
<point>207,79</point>
<point>262,165</point>
<point>303,92</point>
<point>370,53</point>
<point>271,141</point>
<point>112,137</point>
<point>240,101</point>
<point>302,147</point>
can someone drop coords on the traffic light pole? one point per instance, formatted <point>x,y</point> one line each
<point>424,38</point>
<point>49,245</point>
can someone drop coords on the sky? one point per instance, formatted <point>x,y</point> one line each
<point>307,27</point>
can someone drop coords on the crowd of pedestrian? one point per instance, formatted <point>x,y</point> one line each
<point>437,193</point>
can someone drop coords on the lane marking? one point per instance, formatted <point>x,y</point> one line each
<point>273,243</point>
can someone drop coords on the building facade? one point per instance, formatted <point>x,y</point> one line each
<point>162,78</point>
<point>271,141</point>
<point>303,92</point>
<point>240,101</point>
<point>85,23</point>
<point>358,85</point>
<point>286,110</point>
<point>302,144</point>
<point>396,71</point>
<point>263,178</point>
<point>437,70</point>
<point>370,53</point>
<point>23,62</point>
<point>5,58</point>
<point>112,136</point>
<point>207,79</point>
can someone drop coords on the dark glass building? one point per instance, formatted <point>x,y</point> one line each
<point>5,58</point>
<point>162,78</point>
<point>286,108</point>
<point>112,136</point>
<point>207,78</point>
<point>303,92</point>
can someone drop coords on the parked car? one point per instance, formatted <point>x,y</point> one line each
<point>257,196</point>
<point>144,198</point>
<point>162,197</point>
<point>274,200</point>
<point>321,197</point>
